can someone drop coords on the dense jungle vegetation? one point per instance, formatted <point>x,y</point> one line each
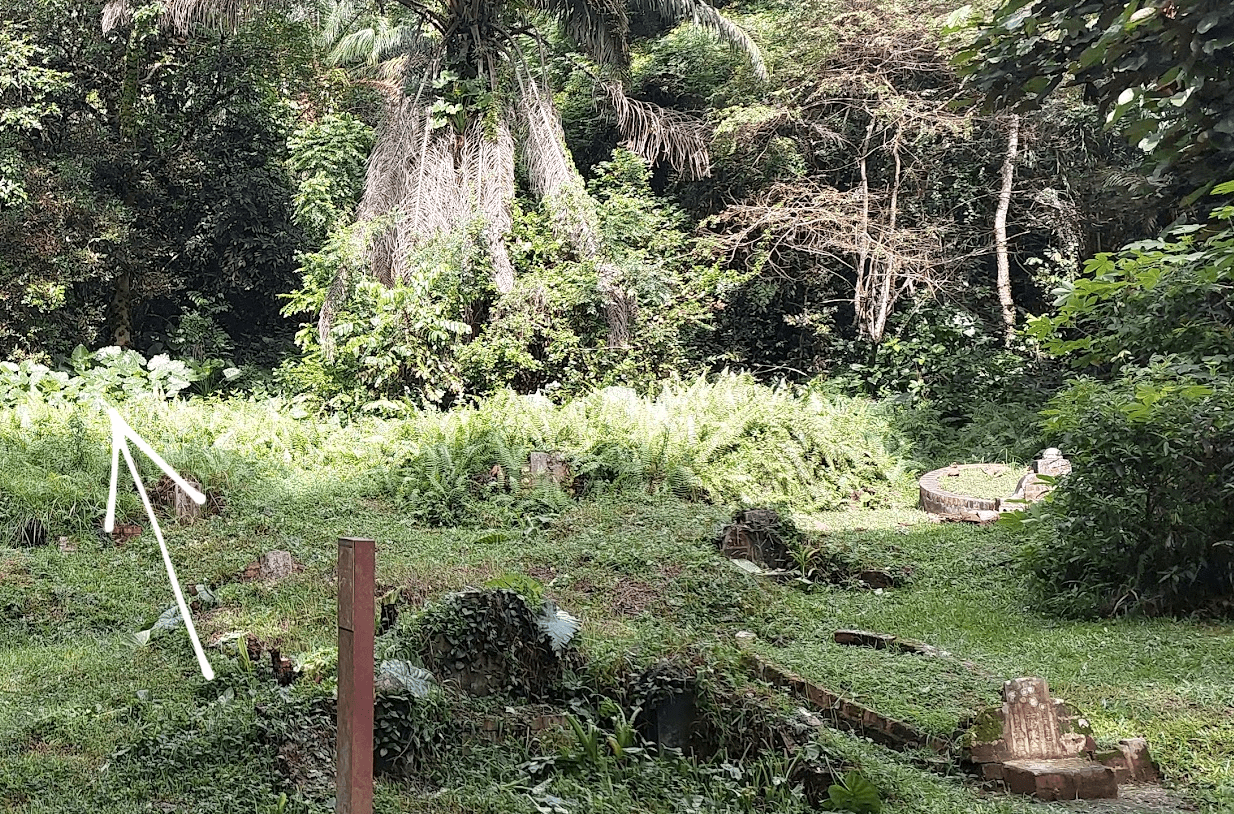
<point>349,264</point>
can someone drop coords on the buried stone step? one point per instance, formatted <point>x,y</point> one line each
<point>844,714</point>
<point>865,638</point>
<point>888,641</point>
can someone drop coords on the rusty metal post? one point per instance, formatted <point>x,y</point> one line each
<point>354,778</point>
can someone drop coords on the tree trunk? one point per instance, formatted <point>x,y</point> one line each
<point>863,239</point>
<point>1000,230</point>
<point>893,258</point>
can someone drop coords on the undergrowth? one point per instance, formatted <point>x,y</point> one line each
<point>724,439</point>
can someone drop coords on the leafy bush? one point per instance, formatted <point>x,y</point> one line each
<point>109,374</point>
<point>443,332</point>
<point>387,341</point>
<point>961,394</point>
<point>726,439</point>
<point>327,160</point>
<point>1146,520</point>
<point>943,354</point>
<point>1170,295</point>
<point>550,332</point>
<point>54,458</point>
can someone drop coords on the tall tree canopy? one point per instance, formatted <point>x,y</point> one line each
<point>1163,70</point>
<point>471,96</point>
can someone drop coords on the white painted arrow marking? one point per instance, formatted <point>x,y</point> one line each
<point>121,434</point>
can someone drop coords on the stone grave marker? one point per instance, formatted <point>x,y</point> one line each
<point>1031,487</point>
<point>1037,744</point>
<point>549,467</point>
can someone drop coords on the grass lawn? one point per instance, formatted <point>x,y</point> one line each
<point>976,482</point>
<point>89,721</point>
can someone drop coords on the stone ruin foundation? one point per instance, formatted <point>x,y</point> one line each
<point>937,498</point>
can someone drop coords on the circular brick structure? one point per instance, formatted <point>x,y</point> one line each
<point>938,500</point>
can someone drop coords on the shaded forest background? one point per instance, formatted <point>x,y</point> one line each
<point>193,195</point>
<point>1009,225</point>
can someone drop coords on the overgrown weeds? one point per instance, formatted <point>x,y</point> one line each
<point>724,440</point>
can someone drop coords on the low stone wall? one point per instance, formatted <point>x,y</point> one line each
<point>937,500</point>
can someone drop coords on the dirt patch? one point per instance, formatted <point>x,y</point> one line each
<point>541,573</point>
<point>633,598</point>
<point>9,568</point>
<point>623,598</point>
<point>1140,798</point>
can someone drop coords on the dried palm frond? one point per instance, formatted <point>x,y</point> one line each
<point>705,16</point>
<point>437,183</point>
<point>572,214</point>
<point>620,306</point>
<point>433,204</point>
<point>600,27</point>
<point>488,172</point>
<point>330,306</point>
<point>386,181</point>
<point>657,133</point>
<point>116,13</point>
<point>180,15</point>
<point>554,178</point>
<point>184,15</point>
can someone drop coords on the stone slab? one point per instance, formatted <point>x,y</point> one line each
<point>1070,778</point>
<point>864,638</point>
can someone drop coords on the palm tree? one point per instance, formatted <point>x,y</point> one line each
<point>468,95</point>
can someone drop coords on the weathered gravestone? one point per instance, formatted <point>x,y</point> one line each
<point>544,468</point>
<point>273,566</point>
<point>673,720</point>
<point>1037,745</point>
<point>754,536</point>
<point>168,494</point>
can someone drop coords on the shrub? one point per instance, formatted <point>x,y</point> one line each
<point>387,342</point>
<point>54,459</point>
<point>1146,520</point>
<point>1171,295</point>
<point>550,333</point>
